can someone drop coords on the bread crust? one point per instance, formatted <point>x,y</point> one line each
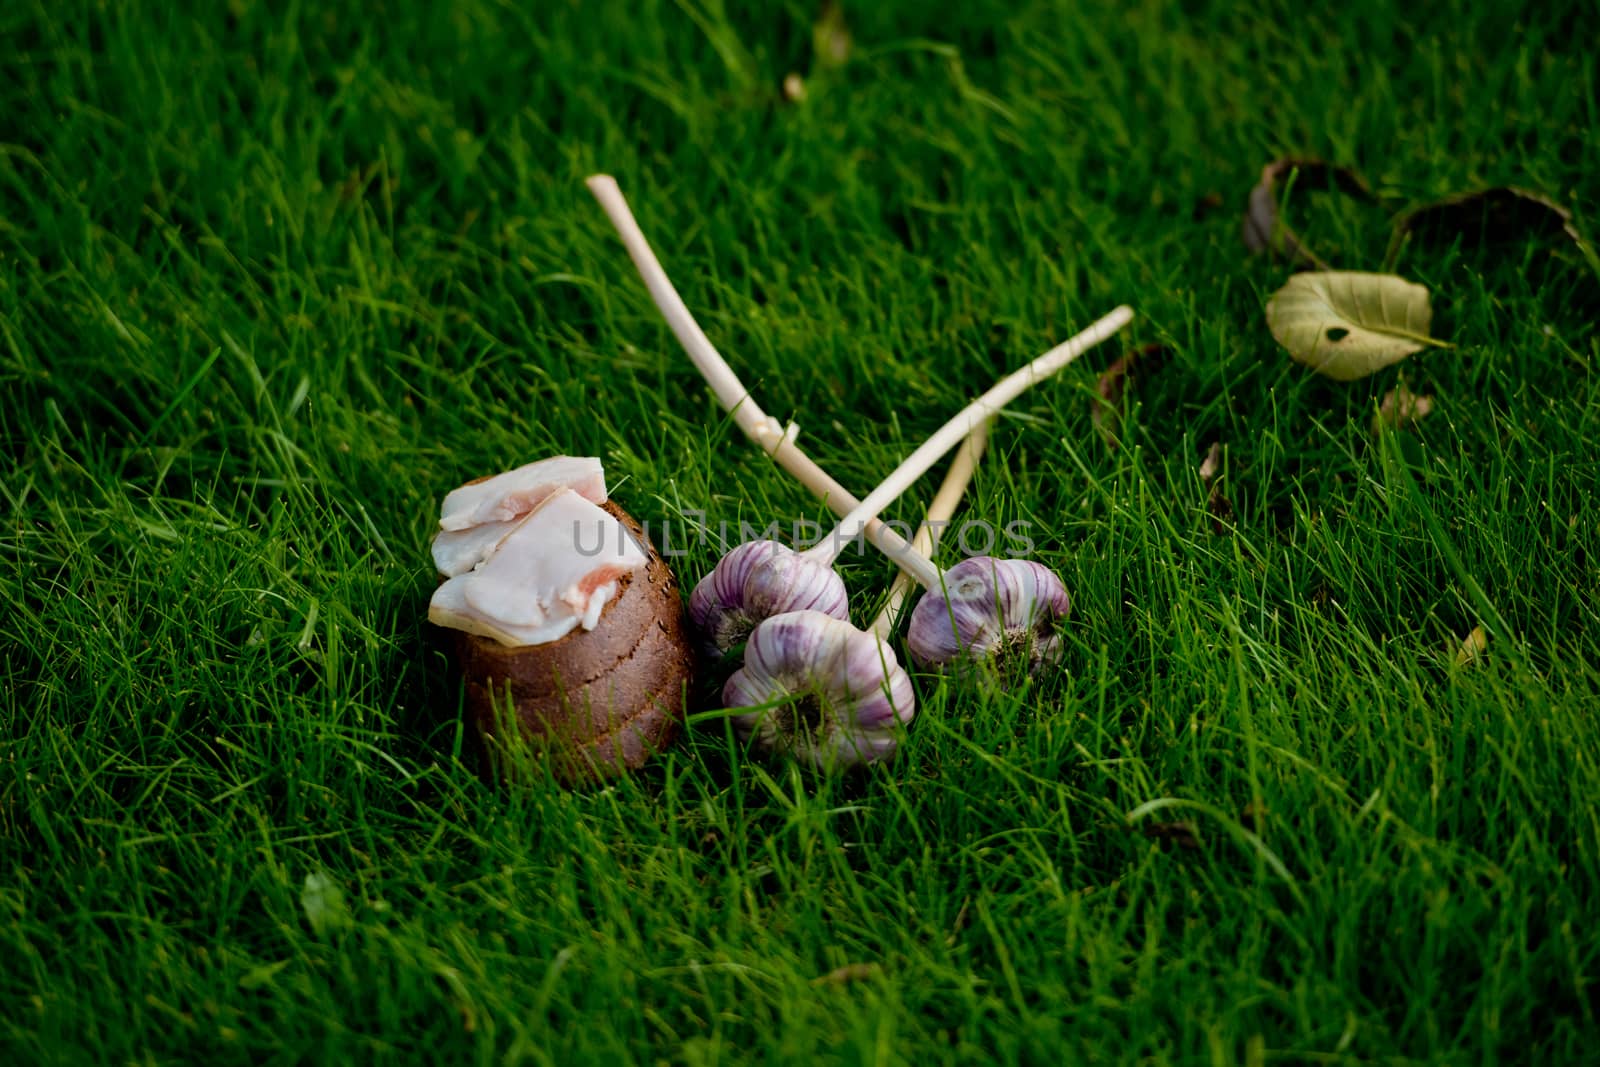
<point>599,701</point>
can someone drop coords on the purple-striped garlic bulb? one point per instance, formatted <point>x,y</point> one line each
<point>755,581</point>
<point>1002,610</point>
<point>830,694</point>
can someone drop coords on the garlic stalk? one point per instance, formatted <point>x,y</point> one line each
<point>734,600</point>
<point>951,434</point>
<point>735,570</point>
<point>777,440</point>
<point>750,583</point>
<point>819,688</point>
<point>927,537</point>
<point>762,578</point>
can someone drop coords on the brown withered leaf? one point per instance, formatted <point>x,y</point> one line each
<point>1216,502</point>
<point>960,921</point>
<point>830,37</point>
<point>1263,231</point>
<point>1489,217</point>
<point>850,972</point>
<point>1472,647</point>
<point>1182,833</point>
<point>1205,205</point>
<point>1401,408</point>
<point>1105,412</point>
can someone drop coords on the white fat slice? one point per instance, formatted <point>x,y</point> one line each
<point>511,495</point>
<point>554,571</point>
<point>458,551</point>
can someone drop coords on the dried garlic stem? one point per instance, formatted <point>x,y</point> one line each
<point>779,441</point>
<point>951,434</point>
<point>776,440</point>
<point>943,507</point>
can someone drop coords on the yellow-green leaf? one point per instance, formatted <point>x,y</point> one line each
<point>323,902</point>
<point>1472,647</point>
<point>1349,324</point>
<point>256,977</point>
<point>830,37</point>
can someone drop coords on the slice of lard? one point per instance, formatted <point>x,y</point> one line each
<point>554,571</point>
<point>476,518</point>
<point>514,493</point>
<point>458,551</point>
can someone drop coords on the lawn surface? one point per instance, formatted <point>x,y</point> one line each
<point>274,279</point>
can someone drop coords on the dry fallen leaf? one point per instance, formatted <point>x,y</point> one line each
<point>830,37</point>
<point>1182,833</point>
<point>1263,231</point>
<point>1216,502</point>
<point>1205,205</point>
<point>1489,216</point>
<point>1401,408</point>
<point>1105,411</point>
<point>850,972</point>
<point>1349,324</point>
<point>1472,647</point>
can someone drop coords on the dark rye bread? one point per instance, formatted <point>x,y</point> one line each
<point>599,701</point>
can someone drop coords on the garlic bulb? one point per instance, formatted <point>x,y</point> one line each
<point>990,609</point>
<point>825,691</point>
<point>756,580</point>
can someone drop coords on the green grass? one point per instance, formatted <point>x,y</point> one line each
<point>272,281</point>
